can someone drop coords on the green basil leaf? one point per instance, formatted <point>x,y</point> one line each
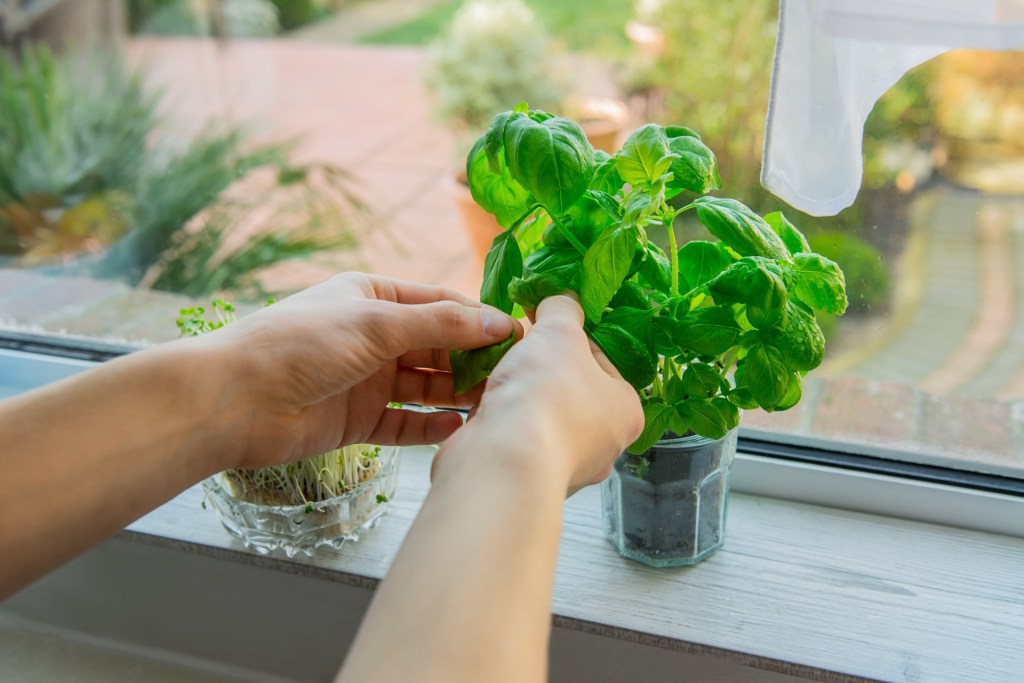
<point>743,397</point>
<point>528,291</point>
<point>494,140</point>
<point>503,263</point>
<point>656,270</point>
<point>728,410</point>
<point>551,159</point>
<point>469,368</point>
<point>497,192</point>
<point>606,175</point>
<point>586,220</point>
<point>695,169</point>
<point>700,262</point>
<point>766,375</point>
<point>675,390</point>
<point>645,156</point>
<point>638,322</point>
<point>701,380</point>
<point>605,266</point>
<point>706,418</point>
<point>632,295</point>
<point>791,237</point>
<point>681,421</point>
<point>766,298</point>
<point>798,338</point>
<point>740,228</point>
<point>631,358</point>
<point>732,284</point>
<point>664,335</point>
<point>708,331</point>
<point>657,415</point>
<point>547,258</point>
<point>641,208</point>
<point>819,283</point>
<point>606,202</point>
<point>794,392</point>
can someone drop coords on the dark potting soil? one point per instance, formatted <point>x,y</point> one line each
<point>676,510</point>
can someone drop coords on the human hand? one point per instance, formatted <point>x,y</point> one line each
<point>559,400</point>
<point>317,370</point>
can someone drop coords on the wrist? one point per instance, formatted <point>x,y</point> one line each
<point>202,377</point>
<point>535,458</point>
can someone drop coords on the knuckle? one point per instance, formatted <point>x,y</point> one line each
<point>380,327</point>
<point>449,314</point>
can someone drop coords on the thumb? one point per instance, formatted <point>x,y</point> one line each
<point>445,325</point>
<point>561,308</point>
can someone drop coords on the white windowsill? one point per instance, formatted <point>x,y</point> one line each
<point>799,589</point>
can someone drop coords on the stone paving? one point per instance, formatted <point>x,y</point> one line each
<point>957,324</point>
<point>944,372</point>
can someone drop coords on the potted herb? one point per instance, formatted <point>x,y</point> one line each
<point>702,331</point>
<point>322,501</point>
<point>492,55</point>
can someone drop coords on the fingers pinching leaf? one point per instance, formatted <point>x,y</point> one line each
<point>469,368</point>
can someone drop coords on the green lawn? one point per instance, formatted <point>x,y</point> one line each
<point>585,26</point>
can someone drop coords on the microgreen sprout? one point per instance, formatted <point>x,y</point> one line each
<point>304,482</point>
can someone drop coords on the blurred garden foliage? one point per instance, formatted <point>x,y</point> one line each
<point>89,183</point>
<point>493,55</point>
<point>234,18</point>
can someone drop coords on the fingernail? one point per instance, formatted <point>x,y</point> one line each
<point>496,323</point>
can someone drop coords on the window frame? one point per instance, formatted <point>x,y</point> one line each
<point>818,473</point>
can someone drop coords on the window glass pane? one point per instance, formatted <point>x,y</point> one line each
<point>248,148</point>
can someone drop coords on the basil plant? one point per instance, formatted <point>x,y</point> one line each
<point>700,331</point>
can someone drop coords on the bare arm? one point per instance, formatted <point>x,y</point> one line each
<point>84,457</point>
<point>88,455</point>
<point>468,596</point>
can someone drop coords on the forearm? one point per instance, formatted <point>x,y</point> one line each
<point>95,452</point>
<point>468,597</point>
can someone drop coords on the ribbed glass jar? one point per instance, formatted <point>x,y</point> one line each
<point>666,508</point>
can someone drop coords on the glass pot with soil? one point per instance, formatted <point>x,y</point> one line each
<point>666,507</point>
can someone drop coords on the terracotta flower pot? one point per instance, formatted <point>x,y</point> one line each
<point>603,120</point>
<point>480,225</point>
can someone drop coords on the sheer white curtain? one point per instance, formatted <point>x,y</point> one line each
<point>834,59</point>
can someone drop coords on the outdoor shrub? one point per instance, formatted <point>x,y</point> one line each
<point>493,55</point>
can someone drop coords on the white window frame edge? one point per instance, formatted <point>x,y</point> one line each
<point>879,494</point>
<point>827,486</point>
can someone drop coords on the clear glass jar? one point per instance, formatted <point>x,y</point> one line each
<point>670,511</point>
<point>304,528</point>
